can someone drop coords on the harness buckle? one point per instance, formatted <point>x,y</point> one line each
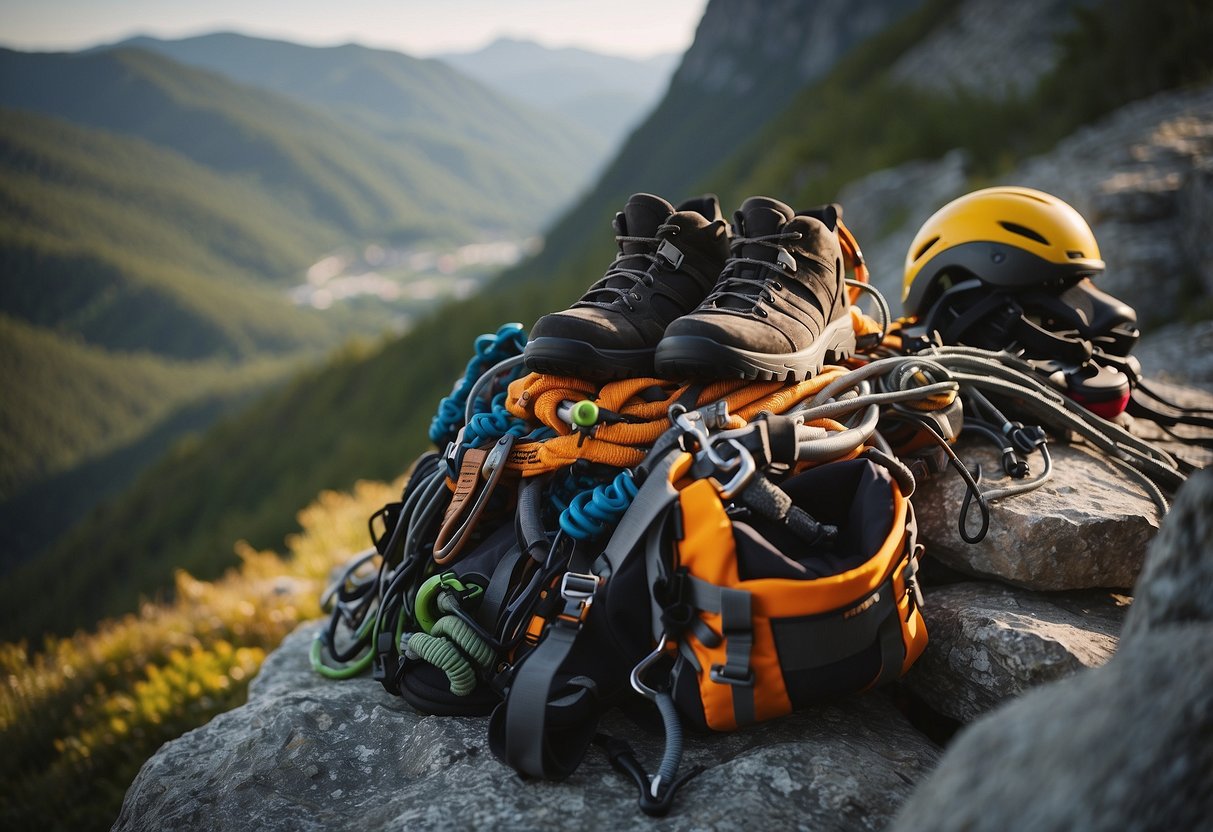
<point>722,674</point>
<point>577,589</point>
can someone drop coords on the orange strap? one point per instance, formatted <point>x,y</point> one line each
<point>853,256</point>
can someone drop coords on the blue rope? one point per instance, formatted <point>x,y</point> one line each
<point>489,350</point>
<point>497,422</point>
<point>593,513</point>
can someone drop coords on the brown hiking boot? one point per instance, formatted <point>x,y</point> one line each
<point>780,308</point>
<point>667,263</point>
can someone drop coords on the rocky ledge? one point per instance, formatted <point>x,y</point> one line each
<point>1066,730</point>
<point>306,753</point>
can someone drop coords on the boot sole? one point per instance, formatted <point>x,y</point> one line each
<point>567,357</point>
<point>693,356</point>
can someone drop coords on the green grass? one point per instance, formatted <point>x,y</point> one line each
<point>80,715</point>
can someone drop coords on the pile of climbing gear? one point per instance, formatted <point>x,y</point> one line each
<point>698,493</point>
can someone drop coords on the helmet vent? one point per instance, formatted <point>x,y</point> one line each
<point>925,247</point>
<point>1075,255</point>
<point>1014,228</point>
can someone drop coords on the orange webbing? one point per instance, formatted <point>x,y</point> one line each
<point>853,256</point>
<point>863,324</point>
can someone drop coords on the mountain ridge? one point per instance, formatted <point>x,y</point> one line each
<point>400,98</point>
<point>609,93</point>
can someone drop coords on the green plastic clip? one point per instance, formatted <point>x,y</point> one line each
<point>425,608</point>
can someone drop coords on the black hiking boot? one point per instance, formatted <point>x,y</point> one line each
<point>780,308</point>
<point>667,263</point>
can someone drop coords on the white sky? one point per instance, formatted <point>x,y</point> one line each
<point>637,28</point>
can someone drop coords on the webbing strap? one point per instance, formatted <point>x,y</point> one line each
<point>499,586</point>
<point>529,745</point>
<point>737,628</point>
<point>892,647</point>
<point>653,498</point>
<point>655,570</point>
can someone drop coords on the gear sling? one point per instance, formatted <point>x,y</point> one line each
<point>756,606</point>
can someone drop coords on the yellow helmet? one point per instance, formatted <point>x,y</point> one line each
<point>1006,237</point>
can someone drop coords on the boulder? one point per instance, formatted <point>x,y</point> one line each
<point>1086,527</point>
<point>1128,745</point>
<point>990,643</point>
<point>1176,586</point>
<point>308,753</point>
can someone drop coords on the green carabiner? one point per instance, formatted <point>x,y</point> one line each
<point>425,608</point>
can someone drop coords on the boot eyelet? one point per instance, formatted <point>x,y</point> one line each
<point>758,310</point>
<point>776,286</point>
<point>634,296</point>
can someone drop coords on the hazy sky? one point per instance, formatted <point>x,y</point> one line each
<point>419,27</point>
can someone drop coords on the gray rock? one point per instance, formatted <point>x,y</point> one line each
<point>736,42</point>
<point>991,642</point>
<point>1180,354</point>
<point>1176,586</point>
<point>307,753</point>
<point>885,210</point>
<point>1138,177</point>
<point>1125,746</point>
<point>1087,527</point>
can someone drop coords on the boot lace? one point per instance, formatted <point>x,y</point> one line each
<point>755,284</point>
<point>619,283</point>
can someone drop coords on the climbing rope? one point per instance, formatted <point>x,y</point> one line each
<point>490,350</point>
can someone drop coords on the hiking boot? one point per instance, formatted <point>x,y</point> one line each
<point>668,261</point>
<point>780,308</point>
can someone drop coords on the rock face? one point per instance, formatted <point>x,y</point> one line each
<point>989,47</point>
<point>990,643</point>
<point>1126,745</point>
<point>805,42</point>
<point>1087,527</point>
<point>1143,181</point>
<point>307,753</point>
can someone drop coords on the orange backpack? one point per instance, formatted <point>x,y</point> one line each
<point>766,592</point>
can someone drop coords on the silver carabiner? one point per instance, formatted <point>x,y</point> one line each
<point>742,465</point>
<point>691,423</point>
<point>643,665</point>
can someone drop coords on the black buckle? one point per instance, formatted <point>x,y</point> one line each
<point>910,576</point>
<point>670,253</point>
<point>725,675</point>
